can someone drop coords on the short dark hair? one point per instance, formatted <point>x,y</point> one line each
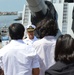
<point>64,49</point>
<point>16,31</point>
<point>47,27</point>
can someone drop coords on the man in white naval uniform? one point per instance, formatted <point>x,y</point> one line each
<point>31,38</point>
<point>45,46</point>
<point>17,58</point>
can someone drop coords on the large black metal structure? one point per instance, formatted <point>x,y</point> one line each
<point>41,9</point>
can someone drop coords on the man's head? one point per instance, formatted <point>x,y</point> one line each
<point>47,27</point>
<point>30,31</point>
<point>16,31</point>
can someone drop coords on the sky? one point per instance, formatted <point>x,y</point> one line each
<point>11,5</point>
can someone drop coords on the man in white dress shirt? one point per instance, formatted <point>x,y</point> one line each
<point>45,46</point>
<point>31,38</point>
<point>17,58</point>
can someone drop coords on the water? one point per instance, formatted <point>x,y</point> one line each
<point>7,20</point>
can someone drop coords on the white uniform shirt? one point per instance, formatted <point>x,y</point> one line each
<point>19,58</point>
<point>29,41</point>
<point>45,49</point>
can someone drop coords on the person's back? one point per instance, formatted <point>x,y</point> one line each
<point>20,59</point>
<point>60,69</point>
<point>17,58</point>
<point>45,46</point>
<point>64,57</point>
<point>45,49</point>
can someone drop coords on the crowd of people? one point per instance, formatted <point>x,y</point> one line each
<point>37,56</point>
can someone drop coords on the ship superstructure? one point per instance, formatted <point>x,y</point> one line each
<point>64,15</point>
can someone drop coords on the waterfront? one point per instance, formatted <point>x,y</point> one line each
<point>8,13</point>
<point>7,20</point>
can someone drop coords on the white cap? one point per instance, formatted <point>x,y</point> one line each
<point>31,27</point>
